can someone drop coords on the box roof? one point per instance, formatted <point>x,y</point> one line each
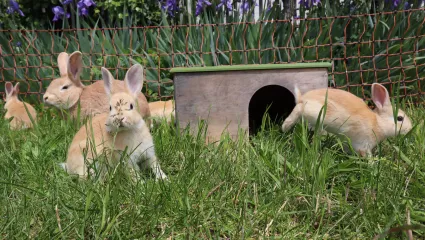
<point>251,67</point>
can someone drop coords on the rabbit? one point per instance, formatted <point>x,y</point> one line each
<point>16,109</point>
<point>67,91</point>
<point>162,109</point>
<point>348,115</point>
<point>122,127</point>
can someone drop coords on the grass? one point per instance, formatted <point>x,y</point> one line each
<point>286,185</point>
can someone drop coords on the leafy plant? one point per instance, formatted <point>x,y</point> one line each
<point>138,13</point>
<point>365,48</point>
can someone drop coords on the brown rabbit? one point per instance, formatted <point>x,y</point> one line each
<point>348,115</point>
<point>16,109</point>
<point>67,91</point>
<point>162,109</point>
<point>122,127</point>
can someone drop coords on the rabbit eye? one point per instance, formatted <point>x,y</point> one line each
<point>65,87</point>
<point>110,108</point>
<point>400,118</point>
<point>131,106</point>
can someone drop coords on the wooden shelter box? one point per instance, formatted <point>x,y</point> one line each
<point>233,98</point>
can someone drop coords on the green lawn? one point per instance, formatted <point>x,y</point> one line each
<point>293,186</point>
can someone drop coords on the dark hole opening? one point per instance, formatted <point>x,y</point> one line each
<point>276,100</point>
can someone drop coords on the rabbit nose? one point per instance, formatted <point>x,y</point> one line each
<point>121,124</point>
<point>45,98</point>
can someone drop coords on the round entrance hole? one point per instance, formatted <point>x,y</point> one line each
<point>277,101</point>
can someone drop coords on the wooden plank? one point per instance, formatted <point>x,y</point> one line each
<point>251,67</point>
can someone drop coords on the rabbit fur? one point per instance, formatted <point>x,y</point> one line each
<point>162,110</point>
<point>348,115</point>
<point>122,127</point>
<point>16,109</point>
<point>67,91</point>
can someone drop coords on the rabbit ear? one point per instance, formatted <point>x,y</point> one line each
<point>9,89</point>
<point>380,96</point>
<point>16,89</point>
<point>75,66</point>
<point>134,79</point>
<point>62,63</point>
<point>107,80</point>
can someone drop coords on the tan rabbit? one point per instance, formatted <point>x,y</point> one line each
<point>16,109</point>
<point>348,115</point>
<point>122,127</point>
<point>162,109</point>
<point>67,91</point>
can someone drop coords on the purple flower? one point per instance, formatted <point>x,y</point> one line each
<point>18,44</point>
<point>171,6</point>
<point>226,3</point>
<point>396,2</point>
<point>59,13</point>
<point>89,3</point>
<point>66,2</point>
<point>200,5</point>
<point>83,6</point>
<point>407,6</point>
<point>309,3</point>
<point>245,6</point>
<point>14,7</point>
<point>80,4</point>
<point>84,12</point>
